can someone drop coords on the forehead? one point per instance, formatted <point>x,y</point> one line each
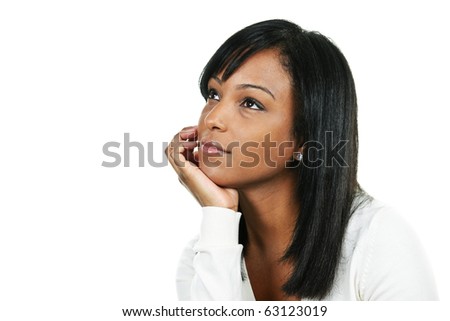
<point>263,68</point>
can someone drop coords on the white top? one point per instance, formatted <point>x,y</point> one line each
<point>382,259</point>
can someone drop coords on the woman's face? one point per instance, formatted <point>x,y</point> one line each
<point>245,129</point>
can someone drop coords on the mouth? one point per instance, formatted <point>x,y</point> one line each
<point>212,148</point>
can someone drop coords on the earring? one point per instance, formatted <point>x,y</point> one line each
<point>298,156</point>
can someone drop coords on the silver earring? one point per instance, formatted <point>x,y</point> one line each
<point>298,156</point>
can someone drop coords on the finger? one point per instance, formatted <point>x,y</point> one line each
<point>180,155</point>
<point>189,133</point>
<point>177,156</point>
<point>189,144</point>
<point>189,127</point>
<point>192,156</point>
<point>172,152</point>
<point>182,151</point>
<point>183,144</point>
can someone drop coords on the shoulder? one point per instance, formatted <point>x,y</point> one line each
<point>368,218</point>
<point>375,224</point>
<point>389,260</point>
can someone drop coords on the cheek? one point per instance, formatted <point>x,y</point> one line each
<point>263,154</point>
<point>248,163</point>
<point>268,156</point>
<point>275,146</point>
<point>202,117</point>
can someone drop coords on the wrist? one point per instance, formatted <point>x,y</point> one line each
<point>219,227</point>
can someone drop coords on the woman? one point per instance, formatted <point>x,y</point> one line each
<point>275,173</point>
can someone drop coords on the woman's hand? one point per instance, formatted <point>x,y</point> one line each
<point>180,153</point>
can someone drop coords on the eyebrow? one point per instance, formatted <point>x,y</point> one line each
<point>244,86</point>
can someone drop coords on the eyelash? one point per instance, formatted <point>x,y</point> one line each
<point>212,93</point>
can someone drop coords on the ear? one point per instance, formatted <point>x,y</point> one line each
<point>298,155</point>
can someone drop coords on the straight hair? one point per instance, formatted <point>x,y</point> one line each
<point>325,101</point>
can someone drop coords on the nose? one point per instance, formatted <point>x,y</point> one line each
<point>216,117</point>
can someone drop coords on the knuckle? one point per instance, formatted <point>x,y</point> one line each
<point>182,178</point>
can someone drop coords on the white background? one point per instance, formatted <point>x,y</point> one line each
<point>79,237</point>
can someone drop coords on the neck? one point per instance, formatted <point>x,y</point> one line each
<point>270,210</point>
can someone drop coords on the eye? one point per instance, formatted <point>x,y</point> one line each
<point>252,104</point>
<point>212,94</point>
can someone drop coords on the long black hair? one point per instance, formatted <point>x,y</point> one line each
<point>325,108</point>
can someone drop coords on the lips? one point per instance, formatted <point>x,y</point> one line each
<point>212,148</point>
